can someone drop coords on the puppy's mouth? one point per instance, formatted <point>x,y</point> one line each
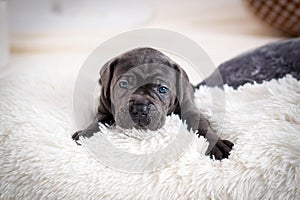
<point>141,123</point>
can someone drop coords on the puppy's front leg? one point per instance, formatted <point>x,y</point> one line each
<point>88,132</point>
<point>91,129</point>
<point>217,147</point>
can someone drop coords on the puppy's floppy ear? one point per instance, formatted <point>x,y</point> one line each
<point>185,106</point>
<point>106,75</point>
<point>182,83</point>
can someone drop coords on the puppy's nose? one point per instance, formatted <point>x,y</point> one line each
<point>139,110</point>
<point>139,106</point>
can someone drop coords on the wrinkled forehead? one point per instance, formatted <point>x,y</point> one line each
<point>147,72</point>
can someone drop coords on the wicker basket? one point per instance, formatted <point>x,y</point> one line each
<point>283,15</point>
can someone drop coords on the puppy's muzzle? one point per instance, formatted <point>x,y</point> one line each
<point>139,110</point>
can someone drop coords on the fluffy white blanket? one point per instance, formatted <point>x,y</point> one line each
<point>40,161</point>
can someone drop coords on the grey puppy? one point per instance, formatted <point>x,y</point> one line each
<point>140,88</point>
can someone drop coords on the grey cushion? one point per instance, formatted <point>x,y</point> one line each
<point>271,61</point>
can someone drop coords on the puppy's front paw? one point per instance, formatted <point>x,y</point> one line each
<point>222,149</point>
<point>76,136</point>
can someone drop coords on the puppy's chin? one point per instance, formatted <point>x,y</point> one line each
<point>156,120</point>
<point>151,126</point>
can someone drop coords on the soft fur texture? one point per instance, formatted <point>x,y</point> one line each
<point>40,161</point>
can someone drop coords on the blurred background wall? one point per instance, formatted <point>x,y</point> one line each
<point>223,28</point>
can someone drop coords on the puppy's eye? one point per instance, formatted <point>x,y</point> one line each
<point>163,89</point>
<point>123,84</point>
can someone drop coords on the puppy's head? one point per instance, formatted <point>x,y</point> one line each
<point>141,87</point>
